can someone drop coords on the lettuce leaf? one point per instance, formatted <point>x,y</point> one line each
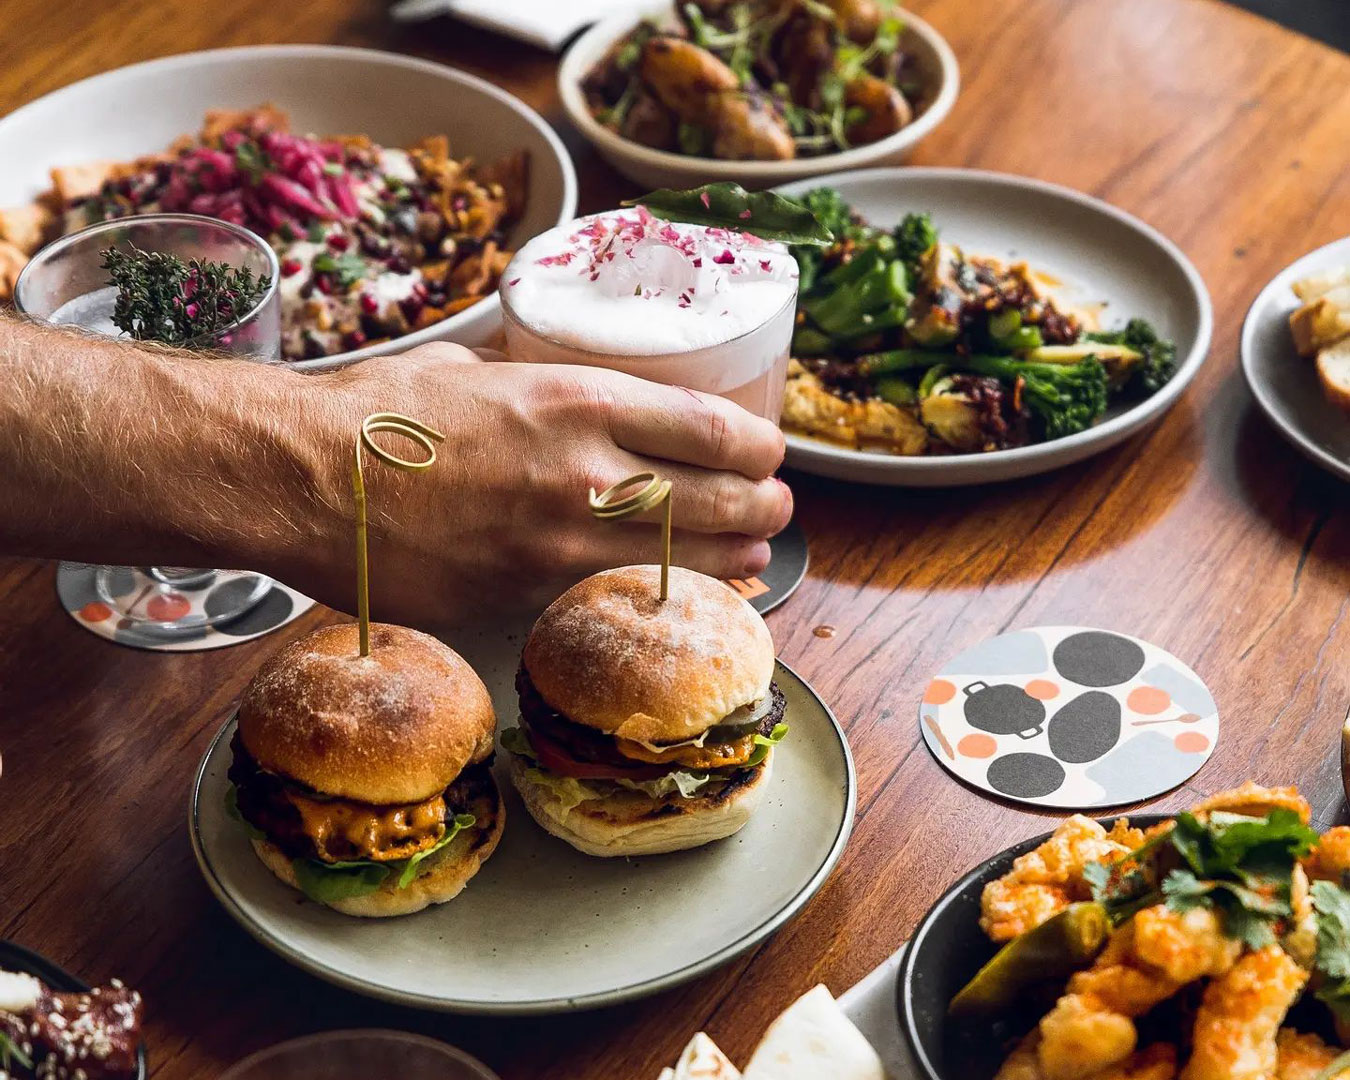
<point>516,741</point>
<point>687,783</point>
<point>232,810</point>
<point>566,789</point>
<point>327,882</point>
<point>765,743</point>
<point>457,825</point>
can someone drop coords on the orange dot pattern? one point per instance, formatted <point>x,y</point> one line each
<point>977,746</point>
<point>1042,689</point>
<point>939,692</point>
<point>1149,700</point>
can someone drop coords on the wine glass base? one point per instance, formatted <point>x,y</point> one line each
<point>178,600</point>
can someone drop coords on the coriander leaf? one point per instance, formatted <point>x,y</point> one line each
<point>725,205</point>
<point>1332,905</point>
<point>348,268</point>
<point>1247,915</point>
<point>1098,876</point>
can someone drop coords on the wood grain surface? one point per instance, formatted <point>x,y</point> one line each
<point>1207,535</point>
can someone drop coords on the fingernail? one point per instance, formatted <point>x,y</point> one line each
<point>757,559</point>
<point>788,503</point>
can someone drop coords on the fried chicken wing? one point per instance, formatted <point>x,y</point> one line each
<point>1156,1062</point>
<point>1305,1057</point>
<point>1330,859</point>
<point>1148,959</point>
<point>1049,878</point>
<point>1255,801</point>
<point>1240,1016</point>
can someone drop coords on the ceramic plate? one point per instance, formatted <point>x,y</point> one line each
<point>543,928</point>
<point>16,958</point>
<point>1284,384</point>
<point>1101,254</point>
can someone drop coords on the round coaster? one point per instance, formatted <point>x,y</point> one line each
<point>787,567</point>
<point>1069,717</point>
<point>75,587</point>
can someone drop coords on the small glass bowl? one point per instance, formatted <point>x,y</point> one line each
<point>360,1055</point>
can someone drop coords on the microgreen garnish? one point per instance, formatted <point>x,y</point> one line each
<point>1242,867</point>
<point>251,160</point>
<point>162,298</point>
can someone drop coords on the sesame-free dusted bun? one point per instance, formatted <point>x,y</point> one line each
<point>440,877</point>
<point>630,823</point>
<point>610,655</point>
<point>395,727</point>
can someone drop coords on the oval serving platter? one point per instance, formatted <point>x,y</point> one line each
<point>14,957</point>
<point>543,928</point>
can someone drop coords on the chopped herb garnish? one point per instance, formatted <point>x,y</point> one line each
<point>348,269</point>
<point>332,168</point>
<point>1240,866</point>
<point>251,160</point>
<point>162,298</point>
<point>315,233</point>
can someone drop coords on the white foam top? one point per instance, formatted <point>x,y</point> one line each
<point>627,283</point>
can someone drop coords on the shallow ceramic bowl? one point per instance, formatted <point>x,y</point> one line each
<point>1100,253</point>
<point>937,69</point>
<point>328,90</point>
<point>1284,384</point>
<point>947,949</point>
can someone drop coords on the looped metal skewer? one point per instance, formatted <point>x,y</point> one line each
<point>415,431</point>
<point>612,505</point>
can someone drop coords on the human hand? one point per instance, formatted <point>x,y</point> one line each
<point>501,518</point>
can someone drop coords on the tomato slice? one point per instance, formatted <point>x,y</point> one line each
<point>554,757</point>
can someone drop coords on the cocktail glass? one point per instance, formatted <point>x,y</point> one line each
<point>64,284</point>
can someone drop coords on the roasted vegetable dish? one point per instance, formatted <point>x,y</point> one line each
<point>1172,951</point>
<point>907,344</point>
<point>373,242</point>
<point>759,80</point>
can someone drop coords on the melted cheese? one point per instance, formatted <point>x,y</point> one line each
<point>694,753</point>
<point>340,828</point>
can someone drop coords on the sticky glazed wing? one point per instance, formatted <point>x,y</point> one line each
<point>1306,1057</point>
<point>1047,879</point>
<point>1148,959</point>
<point>1236,1028</point>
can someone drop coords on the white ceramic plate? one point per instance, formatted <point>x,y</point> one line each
<point>1099,252</point>
<point>543,928</point>
<point>327,90</point>
<point>934,60</point>
<point>1284,384</point>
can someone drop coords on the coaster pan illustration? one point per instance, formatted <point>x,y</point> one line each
<point>787,567</point>
<point>75,588</point>
<point>1069,717</point>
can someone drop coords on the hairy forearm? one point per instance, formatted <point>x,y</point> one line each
<point>111,452</point>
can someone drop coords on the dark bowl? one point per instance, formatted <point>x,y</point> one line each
<point>16,958</point>
<point>947,949</point>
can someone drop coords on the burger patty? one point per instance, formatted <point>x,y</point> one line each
<point>305,824</point>
<point>589,745</point>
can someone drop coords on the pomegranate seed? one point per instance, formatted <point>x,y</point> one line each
<point>419,290</point>
<point>356,339</point>
<point>325,286</point>
<point>290,267</point>
<point>338,242</point>
<point>369,304</point>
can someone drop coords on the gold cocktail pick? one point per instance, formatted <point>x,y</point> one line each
<point>609,506</point>
<point>424,436</point>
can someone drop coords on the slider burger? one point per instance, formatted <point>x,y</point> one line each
<point>365,781</point>
<point>645,725</point>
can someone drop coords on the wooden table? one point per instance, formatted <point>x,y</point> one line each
<point>1207,535</point>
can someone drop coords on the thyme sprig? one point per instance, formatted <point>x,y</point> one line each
<point>162,298</point>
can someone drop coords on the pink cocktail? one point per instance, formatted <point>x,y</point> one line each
<point>707,308</point>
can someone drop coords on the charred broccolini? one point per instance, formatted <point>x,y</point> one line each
<point>980,353</point>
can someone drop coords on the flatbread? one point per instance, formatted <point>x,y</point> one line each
<point>814,1039</point>
<point>701,1060</point>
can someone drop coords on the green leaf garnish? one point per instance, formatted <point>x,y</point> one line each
<point>348,268</point>
<point>327,882</point>
<point>11,1052</point>
<point>457,825</point>
<point>763,744</point>
<point>725,205</point>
